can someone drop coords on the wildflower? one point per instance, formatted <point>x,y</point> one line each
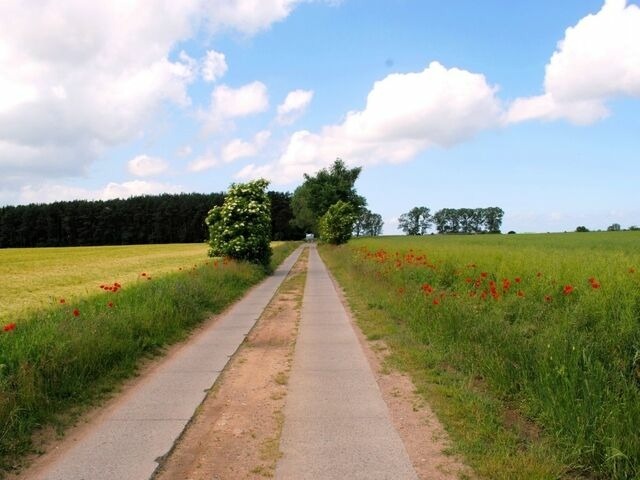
<point>110,304</point>
<point>426,288</point>
<point>632,270</point>
<point>539,274</point>
<point>62,300</point>
<point>483,274</point>
<point>520,293</point>
<point>401,291</point>
<point>9,327</point>
<point>595,285</point>
<point>567,290</point>
<point>76,312</point>
<point>518,280</point>
<point>436,301</point>
<point>547,298</point>
<point>143,274</point>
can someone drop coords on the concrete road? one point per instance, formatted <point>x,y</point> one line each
<point>336,425</point>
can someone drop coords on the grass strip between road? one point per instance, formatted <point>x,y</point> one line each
<point>59,361</point>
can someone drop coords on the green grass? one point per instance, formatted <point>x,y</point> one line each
<point>540,384</point>
<point>55,363</point>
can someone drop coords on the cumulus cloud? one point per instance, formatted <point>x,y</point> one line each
<point>229,103</point>
<point>146,166</point>
<point>238,148</point>
<point>598,59</point>
<point>214,66</point>
<point>203,162</point>
<point>78,77</point>
<point>250,16</point>
<point>405,114</point>
<point>47,193</point>
<point>294,106</point>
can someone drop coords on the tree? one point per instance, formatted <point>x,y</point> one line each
<point>493,219</point>
<point>614,227</point>
<point>336,225</point>
<point>416,221</point>
<point>582,228</point>
<point>313,198</point>
<point>241,227</point>
<point>368,224</point>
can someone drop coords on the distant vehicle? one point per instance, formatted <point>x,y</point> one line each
<point>310,237</point>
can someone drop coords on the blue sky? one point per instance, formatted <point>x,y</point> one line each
<point>530,106</point>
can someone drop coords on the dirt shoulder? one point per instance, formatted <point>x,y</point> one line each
<point>235,433</point>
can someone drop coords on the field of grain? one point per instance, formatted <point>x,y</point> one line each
<point>536,338</point>
<point>34,278</point>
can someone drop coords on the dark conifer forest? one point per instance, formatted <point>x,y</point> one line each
<point>167,218</point>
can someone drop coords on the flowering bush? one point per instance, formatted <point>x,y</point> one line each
<point>241,227</point>
<point>337,224</point>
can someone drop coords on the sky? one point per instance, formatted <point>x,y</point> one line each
<point>530,106</point>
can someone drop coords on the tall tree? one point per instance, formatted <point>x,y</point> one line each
<point>312,199</point>
<point>368,224</point>
<point>416,221</point>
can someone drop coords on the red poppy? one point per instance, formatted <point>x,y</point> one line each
<point>632,270</point>
<point>62,300</point>
<point>539,274</point>
<point>143,274</point>
<point>518,279</point>
<point>436,301</point>
<point>483,274</point>
<point>401,291</point>
<point>567,290</point>
<point>595,285</point>
<point>520,293</point>
<point>110,304</point>
<point>76,312</point>
<point>426,288</point>
<point>9,327</point>
<point>547,298</point>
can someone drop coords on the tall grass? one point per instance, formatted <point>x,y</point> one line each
<point>549,324</point>
<point>70,355</point>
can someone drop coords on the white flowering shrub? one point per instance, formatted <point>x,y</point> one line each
<point>241,227</point>
<point>337,224</point>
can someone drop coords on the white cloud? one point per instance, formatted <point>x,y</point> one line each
<point>598,59</point>
<point>146,166</point>
<point>294,106</point>
<point>184,151</point>
<point>78,77</point>
<point>237,148</point>
<point>404,115</point>
<point>249,16</point>
<point>230,103</point>
<point>214,66</point>
<point>203,162</point>
<point>46,193</point>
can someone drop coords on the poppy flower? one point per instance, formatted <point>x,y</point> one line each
<point>547,298</point>
<point>567,290</point>
<point>436,301</point>
<point>110,304</point>
<point>426,288</point>
<point>9,327</point>
<point>483,274</point>
<point>76,312</point>
<point>143,274</point>
<point>520,293</point>
<point>518,280</point>
<point>62,300</point>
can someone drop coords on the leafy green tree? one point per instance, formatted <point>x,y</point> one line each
<point>368,224</point>
<point>416,221</point>
<point>582,229</point>
<point>313,198</point>
<point>336,225</point>
<point>614,227</point>
<point>241,227</point>
<point>493,219</point>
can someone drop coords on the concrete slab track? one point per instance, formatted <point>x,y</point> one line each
<point>336,425</point>
<point>140,429</point>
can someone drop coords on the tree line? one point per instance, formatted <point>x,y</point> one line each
<point>419,220</point>
<point>167,218</point>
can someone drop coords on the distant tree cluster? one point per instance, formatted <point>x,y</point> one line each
<point>418,220</point>
<point>327,204</point>
<point>138,220</point>
<point>614,227</point>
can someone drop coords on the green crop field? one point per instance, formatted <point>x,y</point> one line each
<point>33,278</point>
<point>527,346</point>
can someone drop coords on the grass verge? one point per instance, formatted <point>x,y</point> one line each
<point>60,360</point>
<point>528,352</point>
